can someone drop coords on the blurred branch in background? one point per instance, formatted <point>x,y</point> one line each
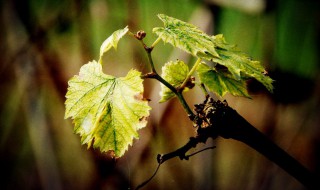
<point>44,43</point>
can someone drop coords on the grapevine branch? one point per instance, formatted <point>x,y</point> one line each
<point>246,133</point>
<point>227,123</point>
<point>216,118</point>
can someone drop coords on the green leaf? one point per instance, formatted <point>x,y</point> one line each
<point>174,72</point>
<point>239,64</point>
<point>112,41</point>
<point>107,111</point>
<point>212,48</point>
<point>186,37</point>
<point>220,82</point>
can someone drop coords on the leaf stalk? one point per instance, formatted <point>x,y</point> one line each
<point>156,42</point>
<point>156,76</point>
<point>193,69</point>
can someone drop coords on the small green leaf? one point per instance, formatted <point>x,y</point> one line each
<point>220,82</point>
<point>107,111</point>
<point>186,37</point>
<point>112,41</point>
<point>174,72</point>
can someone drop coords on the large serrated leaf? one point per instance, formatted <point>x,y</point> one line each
<point>174,72</point>
<point>221,83</point>
<point>212,48</point>
<point>186,37</point>
<point>112,41</point>
<point>107,111</point>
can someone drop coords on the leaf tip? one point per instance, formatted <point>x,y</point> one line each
<point>160,16</point>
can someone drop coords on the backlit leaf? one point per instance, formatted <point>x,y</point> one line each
<point>186,37</point>
<point>112,41</point>
<point>215,49</point>
<point>174,72</point>
<point>107,111</point>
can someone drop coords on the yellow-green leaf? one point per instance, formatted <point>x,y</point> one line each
<point>112,41</point>
<point>174,72</point>
<point>107,111</point>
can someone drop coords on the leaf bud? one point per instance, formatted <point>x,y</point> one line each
<point>140,35</point>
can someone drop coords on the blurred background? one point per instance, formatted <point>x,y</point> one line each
<point>44,43</point>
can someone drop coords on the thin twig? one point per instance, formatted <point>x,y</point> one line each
<point>178,153</point>
<point>148,180</point>
<point>193,141</point>
<point>211,147</point>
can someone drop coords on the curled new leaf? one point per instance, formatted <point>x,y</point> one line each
<point>107,111</point>
<point>112,41</point>
<point>174,72</point>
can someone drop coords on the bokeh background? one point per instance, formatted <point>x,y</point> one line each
<point>44,43</point>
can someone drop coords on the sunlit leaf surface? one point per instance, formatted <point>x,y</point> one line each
<point>107,111</point>
<point>186,37</point>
